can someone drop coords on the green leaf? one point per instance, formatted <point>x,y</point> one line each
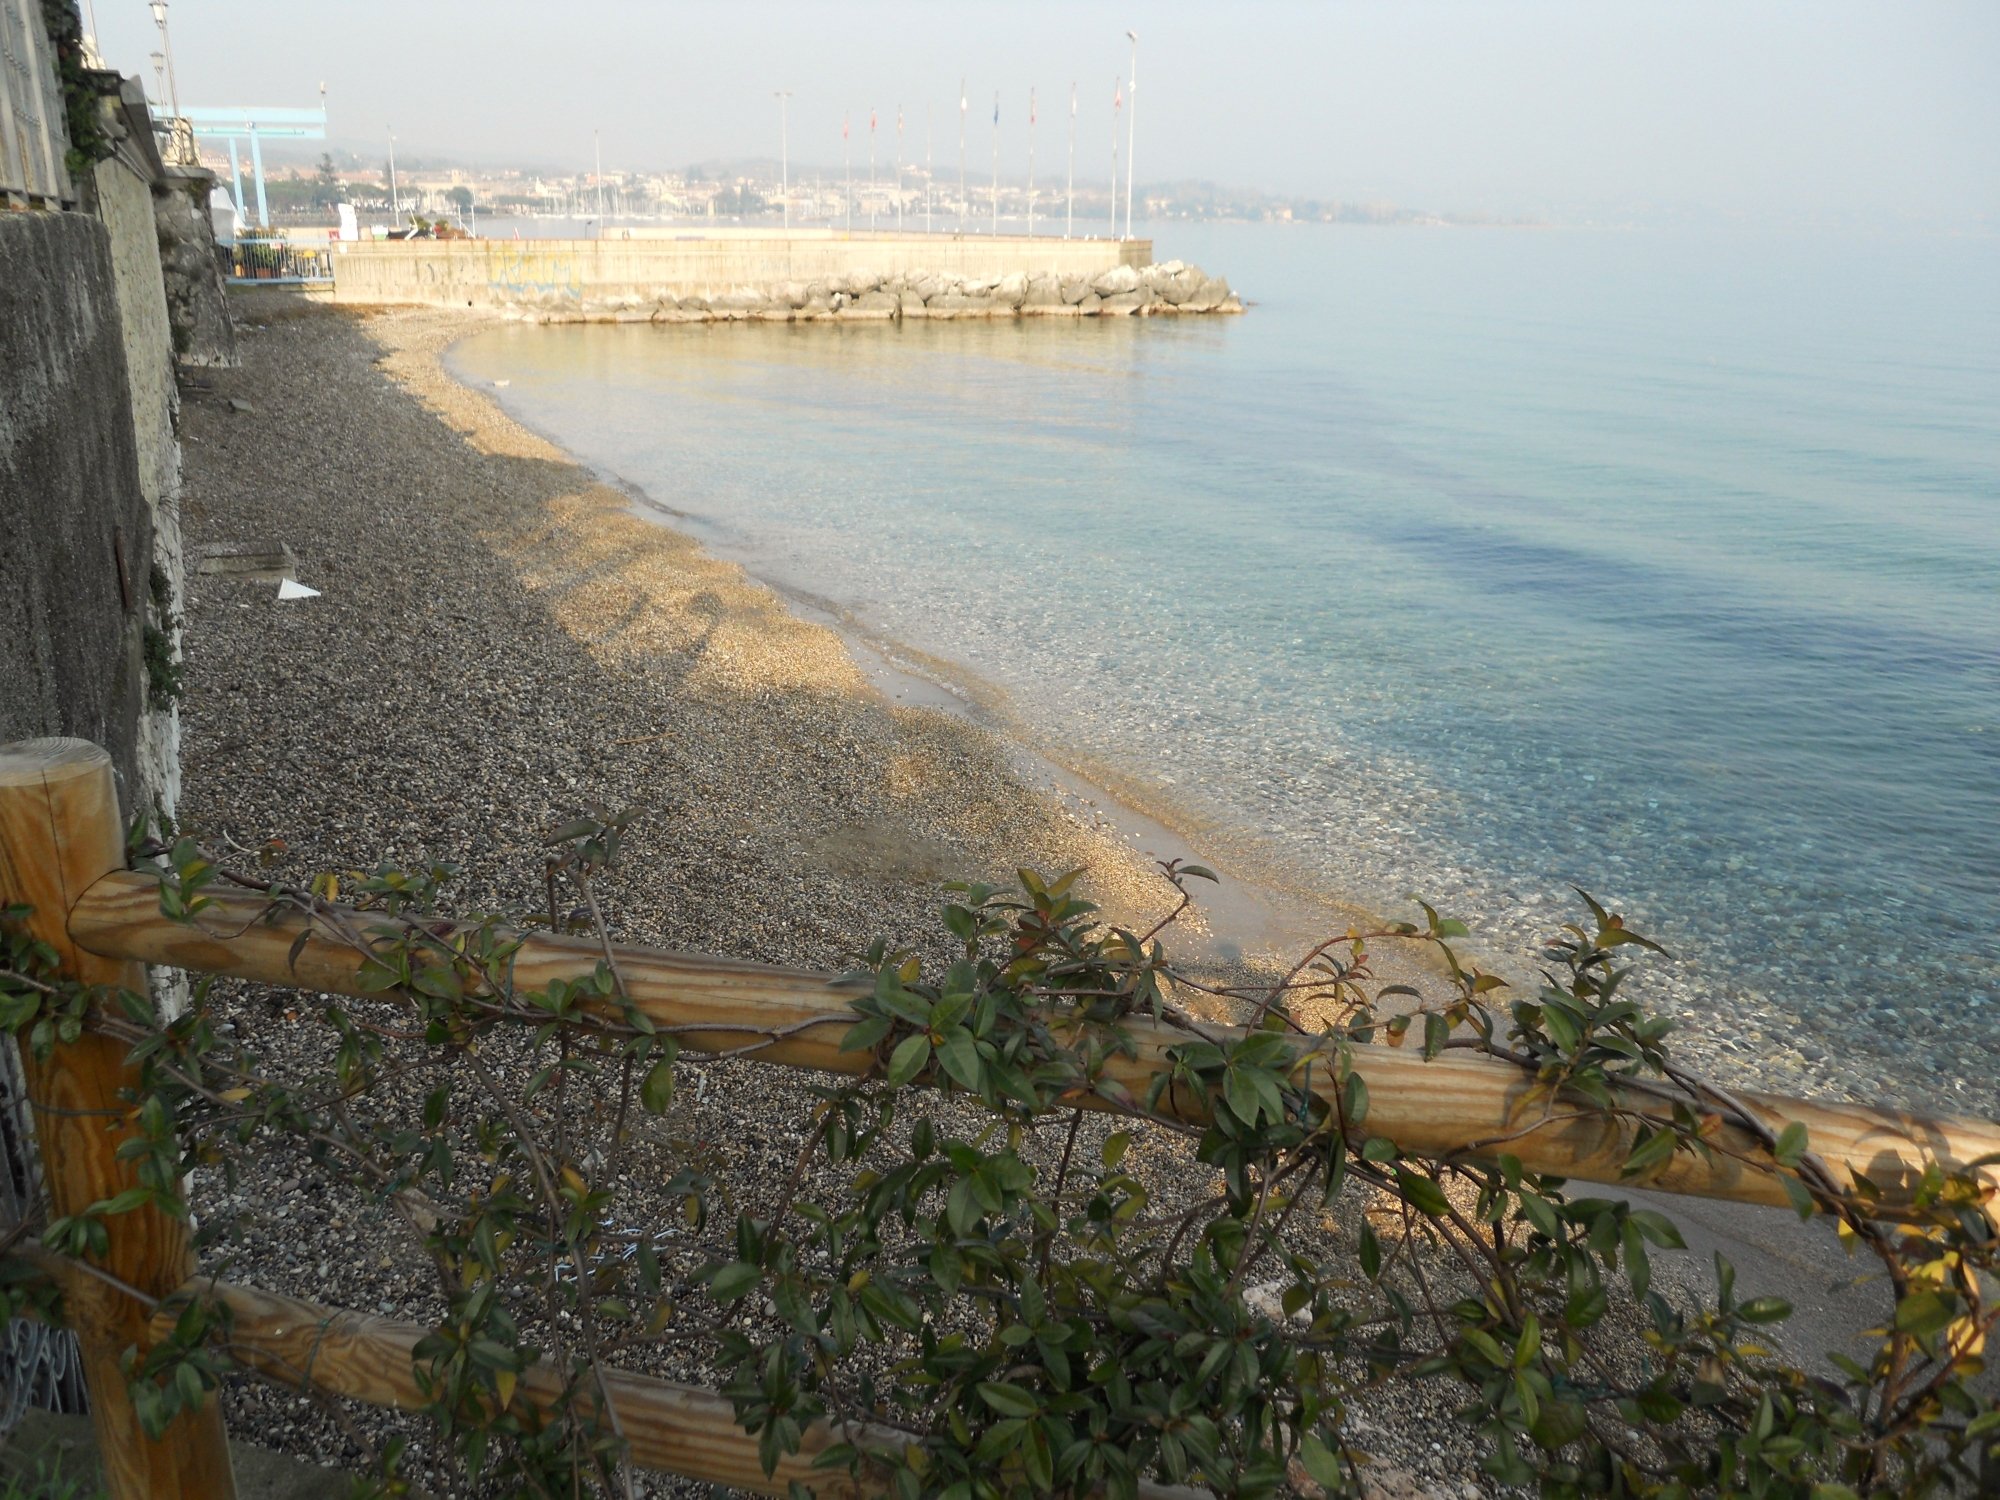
<point>1658,1228</point>
<point>1009,1400</point>
<point>1765,1310</point>
<point>960,1057</point>
<point>1321,1464</point>
<point>1437,1031</point>
<point>1114,1148</point>
<point>656,1092</point>
<point>865,1034</point>
<point>1924,1313</point>
<point>1424,1195</point>
<point>1371,1252</point>
<point>909,1059</point>
<point>733,1280</point>
<point>1791,1143</point>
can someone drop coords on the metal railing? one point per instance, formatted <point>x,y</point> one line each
<point>34,135</point>
<point>275,258</point>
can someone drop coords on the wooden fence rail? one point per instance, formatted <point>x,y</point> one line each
<point>1436,1108</point>
<point>60,851</point>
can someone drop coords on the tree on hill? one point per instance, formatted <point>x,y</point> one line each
<point>326,189</point>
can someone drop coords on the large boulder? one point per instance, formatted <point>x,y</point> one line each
<point>1089,305</point>
<point>1211,294</point>
<point>1075,289</point>
<point>1120,304</point>
<point>1043,290</point>
<point>1181,286</point>
<point>1117,280</point>
<point>875,305</point>
<point>1011,290</point>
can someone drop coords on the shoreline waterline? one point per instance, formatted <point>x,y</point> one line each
<point>1268,908</point>
<point>1452,595</point>
<point>1261,910</point>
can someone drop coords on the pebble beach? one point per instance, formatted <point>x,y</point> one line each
<point>498,642</point>
<point>503,638</point>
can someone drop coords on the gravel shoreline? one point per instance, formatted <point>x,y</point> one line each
<point>501,641</point>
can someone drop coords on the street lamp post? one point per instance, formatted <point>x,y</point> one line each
<point>159,8</point>
<point>963,104</point>
<point>395,197</point>
<point>1069,191</point>
<point>1131,131</point>
<point>784,155</point>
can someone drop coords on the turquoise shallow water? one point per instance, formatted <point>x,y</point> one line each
<point>1467,563</point>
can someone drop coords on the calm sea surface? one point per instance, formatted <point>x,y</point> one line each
<point>1470,564</point>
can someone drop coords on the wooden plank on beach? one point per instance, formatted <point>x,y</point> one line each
<point>677,1428</point>
<point>59,832</point>
<point>795,1018</point>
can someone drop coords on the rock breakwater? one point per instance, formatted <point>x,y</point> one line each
<point>1168,288</point>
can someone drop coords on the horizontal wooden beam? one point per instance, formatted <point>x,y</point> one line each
<point>1458,1103</point>
<point>676,1428</point>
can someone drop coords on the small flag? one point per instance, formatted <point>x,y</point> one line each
<point>843,127</point>
<point>1031,106</point>
<point>899,119</point>
<point>1117,96</point>
<point>996,106</point>
<point>871,122</point>
<point>1072,101</point>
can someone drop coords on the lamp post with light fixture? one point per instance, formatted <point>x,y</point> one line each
<point>159,8</point>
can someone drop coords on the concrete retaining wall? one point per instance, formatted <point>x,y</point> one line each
<point>549,273</point>
<point>123,192</point>
<point>79,533</point>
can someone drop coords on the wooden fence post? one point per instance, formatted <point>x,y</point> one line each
<point>59,832</point>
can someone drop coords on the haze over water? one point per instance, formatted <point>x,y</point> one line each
<point>1469,564</point>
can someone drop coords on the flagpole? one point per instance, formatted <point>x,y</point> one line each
<point>1031,162</point>
<point>899,169</point>
<point>1117,107</point>
<point>847,164</point>
<point>1131,132</point>
<point>930,122</point>
<point>1069,191</point>
<point>963,105</point>
<point>871,166</point>
<point>996,161</point>
<point>784,157</point>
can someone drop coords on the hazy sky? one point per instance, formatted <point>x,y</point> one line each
<point>1680,107</point>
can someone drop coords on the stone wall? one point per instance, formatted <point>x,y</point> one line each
<point>121,195</point>
<point>78,533</point>
<point>197,301</point>
<point>737,275</point>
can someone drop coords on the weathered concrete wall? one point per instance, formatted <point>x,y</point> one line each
<point>75,529</point>
<point>122,194</point>
<point>553,272</point>
<point>197,302</point>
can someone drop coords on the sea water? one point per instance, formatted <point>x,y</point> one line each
<point>1467,564</point>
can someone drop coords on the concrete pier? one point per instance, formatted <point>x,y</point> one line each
<point>671,275</point>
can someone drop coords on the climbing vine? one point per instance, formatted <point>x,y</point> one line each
<point>1057,1234</point>
<point>89,141</point>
